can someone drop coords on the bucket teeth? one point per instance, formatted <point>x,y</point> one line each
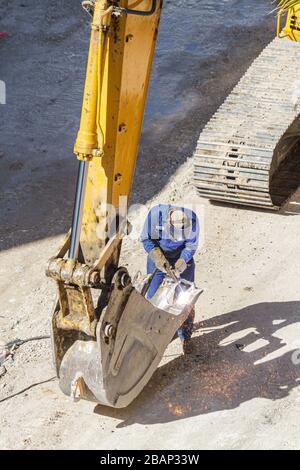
<point>237,152</point>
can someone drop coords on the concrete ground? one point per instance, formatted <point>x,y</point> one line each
<point>241,388</point>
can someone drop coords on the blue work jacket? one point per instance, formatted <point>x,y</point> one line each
<point>175,243</point>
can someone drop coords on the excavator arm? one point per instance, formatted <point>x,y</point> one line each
<point>107,338</point>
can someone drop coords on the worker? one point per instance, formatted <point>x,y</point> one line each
<point>170,237</point>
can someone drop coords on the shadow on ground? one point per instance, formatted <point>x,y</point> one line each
<point>225,370</point>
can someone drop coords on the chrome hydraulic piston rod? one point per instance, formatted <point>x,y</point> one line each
<point>78,210</point>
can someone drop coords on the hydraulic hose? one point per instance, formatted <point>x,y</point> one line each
<point>150,12</point>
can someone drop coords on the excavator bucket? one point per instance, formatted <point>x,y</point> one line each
<point>130,339</point>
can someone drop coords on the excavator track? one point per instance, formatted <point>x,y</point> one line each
<point>248,153</point>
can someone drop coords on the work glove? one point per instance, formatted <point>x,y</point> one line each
<point>160,261</point>
<point>180,266</point>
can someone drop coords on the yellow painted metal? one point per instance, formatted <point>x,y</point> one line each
<point>292,27</point>
<point>90,136</point>
<point>111,121</point>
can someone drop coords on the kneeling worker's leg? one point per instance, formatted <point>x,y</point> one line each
<point>186,331</point>
<point>156,280</point>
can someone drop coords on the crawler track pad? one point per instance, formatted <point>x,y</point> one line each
<point>246,153</point>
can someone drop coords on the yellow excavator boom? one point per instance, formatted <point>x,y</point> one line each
<point>118,72</point>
